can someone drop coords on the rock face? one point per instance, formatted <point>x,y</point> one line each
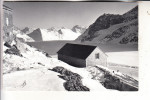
<point>36,35</point>
<point>125,34</point>
<point>112,82</point>
<point>7,44</point>
<point>73,80</point>
<point>78,29</point>
<point>25,30</point>
<point>13,50</point>
<point>115,29</point>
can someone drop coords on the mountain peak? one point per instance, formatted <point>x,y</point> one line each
<point>25,30</point>
<point>36,35</point>
<point>113,28</point>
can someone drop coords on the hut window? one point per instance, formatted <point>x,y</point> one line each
<point>97,56</point>
<point>7,21</point>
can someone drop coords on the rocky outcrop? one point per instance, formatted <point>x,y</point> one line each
<point>131,15</point>
<point>7,45</point>
<point>112,82</point>
<point>13,50</point>
<point>73,80</point>
<point>78,29</point>
<point>127,33</point>
<point>25,30</point>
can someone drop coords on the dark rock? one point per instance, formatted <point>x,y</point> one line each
<point>47,55</point>
<point>13,50</point>
<point>58,69</point>
<point>7,45</point>
<point>25,30</point>
<point>84,88</point>
<point>64,77</point>
<point>73,80</point>
<point>14,46</point>
<point>125,40</point>
<point>41,64</point>
<point>78,28</point>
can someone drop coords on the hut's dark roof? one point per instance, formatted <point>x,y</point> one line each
<point>76,50</point>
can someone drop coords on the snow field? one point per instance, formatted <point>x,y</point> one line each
<point>35,74</point>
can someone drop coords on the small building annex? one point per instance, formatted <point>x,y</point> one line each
<point>79,55</point>
<point>7,23</point>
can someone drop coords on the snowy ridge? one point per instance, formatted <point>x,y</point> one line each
<point>25,37</point>
<point>62,34</point>
<point>54,34</point>
<point>19,34</point>
<point>69,34</point>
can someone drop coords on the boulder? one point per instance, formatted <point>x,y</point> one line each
<point>73,80</point>
<point>7,45</point>
<point>13,50</point>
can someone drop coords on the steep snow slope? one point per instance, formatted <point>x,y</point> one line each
<point>50,35</point>
<point>25,37</point>
<point>69,34</point>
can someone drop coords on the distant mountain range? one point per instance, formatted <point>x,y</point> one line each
<point>107,29</point>
<point>113,29</point>
<point>56,33</point>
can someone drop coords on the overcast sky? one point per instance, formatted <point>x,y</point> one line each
<point>63,14</point>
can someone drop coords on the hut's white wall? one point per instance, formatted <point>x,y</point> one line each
<point>92,61</point>
<point>72,61</point>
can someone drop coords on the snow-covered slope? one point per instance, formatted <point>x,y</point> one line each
<point>31,69</point>
<point>25,37</point>
<point>31,72</point>
<point>17,33</point>
<point>68,34</point>
<point>33,80</point>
